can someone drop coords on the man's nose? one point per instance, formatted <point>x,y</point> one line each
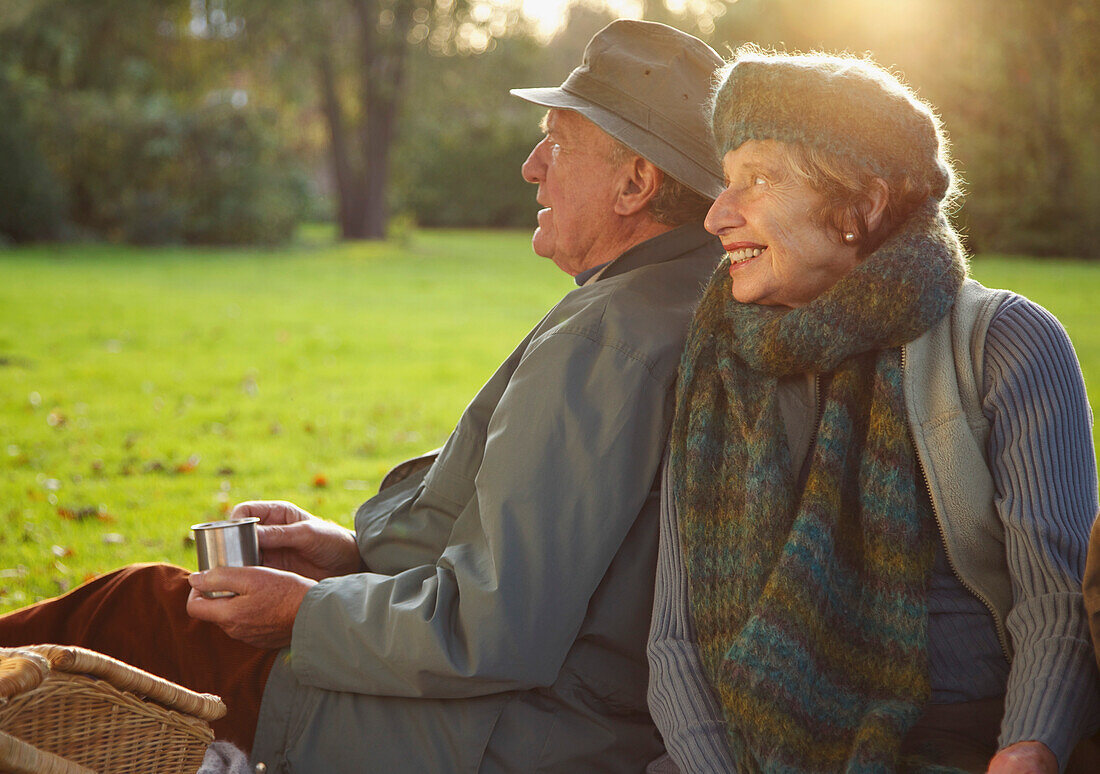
<point>534,169</point>
<point>724,213</point>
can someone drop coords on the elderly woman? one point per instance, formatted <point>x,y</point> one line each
<point>881,475</point>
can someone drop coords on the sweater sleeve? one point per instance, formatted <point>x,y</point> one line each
<point>1044,470</point>
<point>680,697</point>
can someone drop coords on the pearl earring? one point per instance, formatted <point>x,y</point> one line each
<point>849,237</point>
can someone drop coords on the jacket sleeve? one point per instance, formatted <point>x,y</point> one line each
<point>394,534</point>
<point>1044,469</point>
<point>570,453</point>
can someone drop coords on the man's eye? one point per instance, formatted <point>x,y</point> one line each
<point>759,180</point>
<point>555,149</point>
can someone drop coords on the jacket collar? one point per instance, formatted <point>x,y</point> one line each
<point>664,247</point>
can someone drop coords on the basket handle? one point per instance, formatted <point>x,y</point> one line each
<point>18,757</point>
<point>69,658</point>
<point>20,670</point>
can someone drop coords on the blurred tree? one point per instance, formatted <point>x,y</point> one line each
<point>31,199</point>
<point>131,105</point>
<point>138,47</point>
<point>459,148</point>
<point>146,172</point>
<point>359,52</point>
<point>1026,130</point>
<point>461,143</point>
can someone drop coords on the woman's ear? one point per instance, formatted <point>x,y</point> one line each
<point>878,196</point>
<point>640,182</point>
<point>870,208</point>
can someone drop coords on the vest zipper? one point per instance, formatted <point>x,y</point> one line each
<point>1002,636</point>
<point>818,411</point>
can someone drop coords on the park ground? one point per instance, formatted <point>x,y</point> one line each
<point>144,390</point>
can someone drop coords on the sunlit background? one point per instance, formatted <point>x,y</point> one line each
<point>213,121</point>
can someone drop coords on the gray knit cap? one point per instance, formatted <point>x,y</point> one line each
<point>849,107</point>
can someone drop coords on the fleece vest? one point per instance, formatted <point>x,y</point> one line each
<point>941,381</point>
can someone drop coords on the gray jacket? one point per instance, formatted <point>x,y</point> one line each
<point>502,619</point>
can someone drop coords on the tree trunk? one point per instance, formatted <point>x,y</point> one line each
<point>361,167</point>
<point>382,94</point>
<point>367,190</point>
<point>344,170</point>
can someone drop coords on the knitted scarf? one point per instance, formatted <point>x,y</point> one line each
<point>810,607</point>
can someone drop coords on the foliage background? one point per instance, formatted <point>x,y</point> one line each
<point>210,121</point>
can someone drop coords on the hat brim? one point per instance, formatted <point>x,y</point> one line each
<point>668,158</point>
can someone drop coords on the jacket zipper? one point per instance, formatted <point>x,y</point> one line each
<point>1002,636</point>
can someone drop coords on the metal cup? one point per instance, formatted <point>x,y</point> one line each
<point>229,543</point>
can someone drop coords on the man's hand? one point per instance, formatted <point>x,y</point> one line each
<point>1024,758</point>
<point>262,613</point>
<point>294,540</point>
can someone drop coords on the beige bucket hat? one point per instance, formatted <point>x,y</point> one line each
<point>648,86</point>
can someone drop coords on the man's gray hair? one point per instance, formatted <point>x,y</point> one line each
<point>674,204</point>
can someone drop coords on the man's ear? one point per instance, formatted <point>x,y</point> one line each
<point>640,181</point>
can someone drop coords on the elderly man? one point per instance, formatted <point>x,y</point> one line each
<point>490,610</point>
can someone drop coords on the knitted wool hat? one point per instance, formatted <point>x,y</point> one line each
<point>844,106</point>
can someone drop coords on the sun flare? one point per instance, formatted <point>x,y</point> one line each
<point>549,16</point>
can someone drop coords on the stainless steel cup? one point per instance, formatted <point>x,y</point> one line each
<point>229,543</point>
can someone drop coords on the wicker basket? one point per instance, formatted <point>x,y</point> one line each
<point>67,710</point>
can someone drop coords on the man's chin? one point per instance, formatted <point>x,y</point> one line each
<point>539,244</point>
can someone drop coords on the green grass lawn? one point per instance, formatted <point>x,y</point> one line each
<point>143,390</point>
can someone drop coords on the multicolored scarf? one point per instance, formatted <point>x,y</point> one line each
<point>810,607</point>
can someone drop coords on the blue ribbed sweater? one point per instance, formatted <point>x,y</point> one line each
<point>1041,456</point>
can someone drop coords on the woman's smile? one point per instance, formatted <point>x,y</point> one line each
<point>742,254</point>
